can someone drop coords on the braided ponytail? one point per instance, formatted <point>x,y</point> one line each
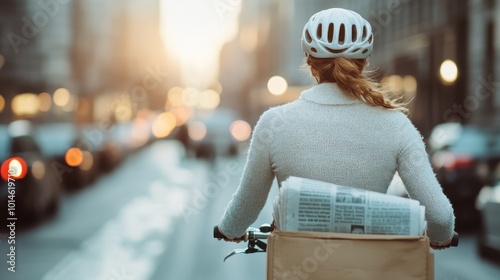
<point>351,78</point>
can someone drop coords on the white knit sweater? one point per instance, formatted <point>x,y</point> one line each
<point>329,136</point>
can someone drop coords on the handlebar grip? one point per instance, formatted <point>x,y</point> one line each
<point>454,240</point>
<point>217,233</point>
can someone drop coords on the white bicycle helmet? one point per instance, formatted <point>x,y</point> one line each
<point>337,33</point>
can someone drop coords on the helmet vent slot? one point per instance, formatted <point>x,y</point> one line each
<point>342,34</point>
<point>319,31</point>
<point>354,33</point>
<point>335,51</point>
<point>364,33</point>
<point>308,37</point>
<point>330,32</point>
<point>371,39</point>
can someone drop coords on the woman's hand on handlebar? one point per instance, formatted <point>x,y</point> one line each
<point>440,247</point>
<point>452,242</point>
<point>221,236</point>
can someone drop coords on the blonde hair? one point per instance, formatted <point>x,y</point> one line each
<point>353,79</point>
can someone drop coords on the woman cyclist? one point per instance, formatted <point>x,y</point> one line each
<point>343,130</point>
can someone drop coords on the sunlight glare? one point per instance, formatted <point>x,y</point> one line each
<point>194,33</point>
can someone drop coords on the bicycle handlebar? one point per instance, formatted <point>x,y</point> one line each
<point>254,237</point>
<point>218,234</point>
<point>255,233</point>
<point>454,240</point>
<point>251,234</point>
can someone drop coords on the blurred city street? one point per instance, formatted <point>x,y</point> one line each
<point>127,226</point>
<point>125,126</point>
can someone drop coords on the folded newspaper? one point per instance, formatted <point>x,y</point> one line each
<point>310,205</point>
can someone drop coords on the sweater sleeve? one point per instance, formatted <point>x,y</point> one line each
<point>255,184</point>
<point>421,183</point>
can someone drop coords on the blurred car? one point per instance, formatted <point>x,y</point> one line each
<point>102,148</point>
<point>119,143</point>
<point>69,153</point>
<point>216,132</point>
<point>465,159</point>
<point>488,203</point>
<point>37,195</point>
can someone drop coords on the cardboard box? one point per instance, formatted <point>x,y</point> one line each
<point>321,256</point>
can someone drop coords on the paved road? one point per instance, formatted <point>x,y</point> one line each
<point>152,219</point>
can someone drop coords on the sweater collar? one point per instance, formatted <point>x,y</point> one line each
<point>327,94</point>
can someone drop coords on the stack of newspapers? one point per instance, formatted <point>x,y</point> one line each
<point>310,205</point>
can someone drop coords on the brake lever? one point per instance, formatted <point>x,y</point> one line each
<point>253,237</point>
<point>262,245</point>
<point>248,250</point>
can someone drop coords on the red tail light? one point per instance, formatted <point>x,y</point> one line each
<point>452,161</point>
<point>14,168</point>
<point>462,162</point>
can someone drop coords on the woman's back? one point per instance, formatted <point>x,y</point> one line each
<point>328,136</point>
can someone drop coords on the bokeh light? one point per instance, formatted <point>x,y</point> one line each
<point>25,104</point>
<point>87,161</point>
<point>174,96</point>
<point>61,97</point>
<point>448,71</point>
<point>163,125</point>
<point>197,130</point>
<point>395,83</point>
<point>44,102</point>
<point>15,168</point>
<point>409,84</point>
<point>240,130</point>
<point>182,115</point>
<point>38,169</point>
<point>123,112</point>
<point>208,99</point>
<point>277,85</point>
<point>74,157</point>
<point>190,96</point>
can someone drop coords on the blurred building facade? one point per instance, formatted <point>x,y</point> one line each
<point>416,37</point>
<point>91,48</point>
<point>35,45</point>
<point>412,40</point>
<point>117,56</point>
<point>113,49</point>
